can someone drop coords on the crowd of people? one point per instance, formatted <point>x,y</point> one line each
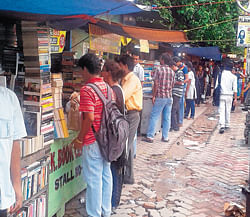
<point>179,86</point>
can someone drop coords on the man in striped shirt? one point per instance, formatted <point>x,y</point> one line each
<point>96,170</point>
<point>162,98</point>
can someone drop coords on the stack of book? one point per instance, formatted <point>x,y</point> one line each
<point>31,145</point>
<point>34,178</point>
<point>67,69</point>
<point>61,129</point>
<point>35,208</point>
<point>57,85</point>
<point>38,101</point>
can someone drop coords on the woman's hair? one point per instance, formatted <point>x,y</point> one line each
<point>115,70</point>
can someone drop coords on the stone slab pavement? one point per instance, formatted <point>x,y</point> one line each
<point>191,176</point>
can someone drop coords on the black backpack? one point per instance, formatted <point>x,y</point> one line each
<point>114,130</point>
<point>217,90</point>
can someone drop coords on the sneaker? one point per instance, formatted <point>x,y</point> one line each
<point>147,139</point>
<point>164,140</point>
<point>222,130</point>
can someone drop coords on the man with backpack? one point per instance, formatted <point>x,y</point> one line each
<point>96,170</point>
<point>132,88</point>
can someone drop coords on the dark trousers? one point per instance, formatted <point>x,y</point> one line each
<point>175,112</point>
<point>133,118</point>
<point>3,213</point>
<point>190,105</point>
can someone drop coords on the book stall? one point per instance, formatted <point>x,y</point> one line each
<point>50,170</point>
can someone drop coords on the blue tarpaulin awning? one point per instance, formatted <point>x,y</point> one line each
<point>69,7</point>
<point>206,52</point>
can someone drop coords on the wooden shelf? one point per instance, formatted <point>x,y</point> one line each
<point>28,160</point>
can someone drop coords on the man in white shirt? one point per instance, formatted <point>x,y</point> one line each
<point>138,69</point>
<point>12,129</point>
<point>228,89</point>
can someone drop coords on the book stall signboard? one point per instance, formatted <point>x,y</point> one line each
<point>243,34</point>
<point>57,40</point>
<point>102,40</point>
<point>65,180</point>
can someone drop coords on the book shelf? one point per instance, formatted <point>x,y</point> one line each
<point>28,160</point>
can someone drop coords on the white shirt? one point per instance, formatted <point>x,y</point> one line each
<point>191,93</point>
<point>11,128</point>
<point>228,83</point>
<point>139,71</point>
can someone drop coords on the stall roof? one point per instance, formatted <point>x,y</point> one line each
<point>31,8</point>
<point>206,52</point>
<point>158,35</point>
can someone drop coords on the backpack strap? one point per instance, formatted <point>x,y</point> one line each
<point>100,94</point>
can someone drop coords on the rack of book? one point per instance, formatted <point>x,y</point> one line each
<point>25,67</point>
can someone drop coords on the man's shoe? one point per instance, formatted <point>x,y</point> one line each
<point>176,129</point>
<point>222,130</point>
<point>147,139</point>
<point>164,140</point>
<point>227,128</point>
<point>171,129</point>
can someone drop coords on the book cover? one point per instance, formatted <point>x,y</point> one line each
<point>32,122</point>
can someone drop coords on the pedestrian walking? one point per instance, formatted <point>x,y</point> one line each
<point>190,94</point>
<point>228,90</point>
<point>112,74</point>
<point>12,129</point>
<point>96,170</point>
<point>182,67</point>
<point>132,89</point>
<point>177,94</point>
<point>162,99</point>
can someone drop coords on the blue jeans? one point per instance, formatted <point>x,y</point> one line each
<point>97,174</point>
<point>164,106</point>
<point>181,111</point>
<point>190,104</point>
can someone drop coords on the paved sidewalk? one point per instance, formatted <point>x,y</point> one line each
<point>193,175</point>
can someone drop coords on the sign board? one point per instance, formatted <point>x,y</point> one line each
<point>102,40</point>
<point>65,179</point>
<point>57,41</point>
<point>243,34</point>
<point>144,46</point>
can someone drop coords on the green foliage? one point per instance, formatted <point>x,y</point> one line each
<point>188,18</point>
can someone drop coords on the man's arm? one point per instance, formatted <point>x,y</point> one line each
<point>156,85</point>
<point>186,78</point>
<point>88,119</point>
<point>15,172</point>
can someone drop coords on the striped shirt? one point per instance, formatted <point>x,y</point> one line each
<point>178,88</point>
<point>90,102</point>
<point>165,77</point>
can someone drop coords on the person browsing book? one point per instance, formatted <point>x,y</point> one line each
<point>12,129</point>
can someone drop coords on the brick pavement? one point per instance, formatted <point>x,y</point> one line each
<point>191,176</point>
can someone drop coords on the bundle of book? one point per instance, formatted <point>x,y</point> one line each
<point>61,129</point>
<point>34,178</point>
<point>57,85</point>
<point>35,208</point>
<point>67,69</point>
<point>148,82</point>
<point>38,101</point>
